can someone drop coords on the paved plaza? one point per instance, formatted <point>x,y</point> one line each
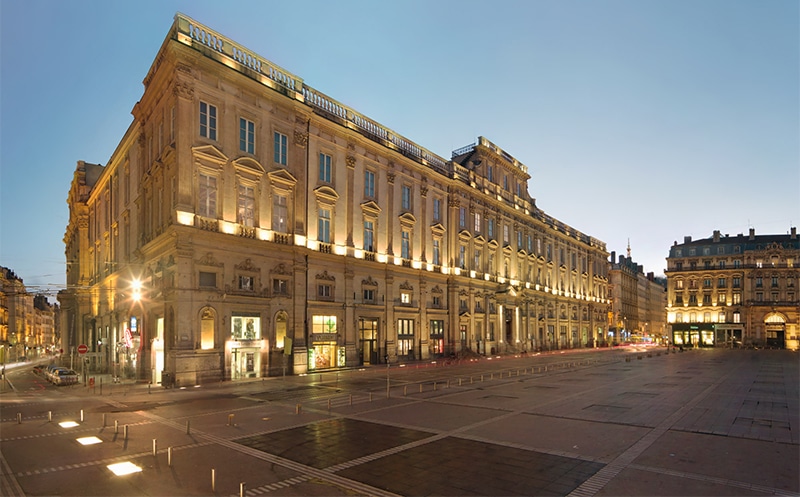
<point>598,423</point>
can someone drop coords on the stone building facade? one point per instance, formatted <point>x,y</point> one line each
<point>735,290</point>
<point>638,303</point>
<point>249,225</point>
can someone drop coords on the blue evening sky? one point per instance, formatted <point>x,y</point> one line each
<point>645,120</point>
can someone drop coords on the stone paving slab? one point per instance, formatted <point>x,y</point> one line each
<point>634,482</point>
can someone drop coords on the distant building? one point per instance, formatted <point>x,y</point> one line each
<point>27,324</point>
<point>249,225</point>
<point>730,290</point>
<point>638,303</point>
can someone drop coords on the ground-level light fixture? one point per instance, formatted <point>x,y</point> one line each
<point>124,468</point>
<point>89,440</point>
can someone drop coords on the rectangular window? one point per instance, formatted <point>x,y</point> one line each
<point>246,283</point>
<point>477,222</point>
<point>737,282</point>
<point>476,264</point>
<point>280,286</point>
<point>737,318</point>
<point>437,327</point>
<point>207,279</point>
<point>207,196</point>
<point>506,234</point>
<point>721,298</point>
<point>462,259</point>
<point>490,174</point>
<point>721,317</point>
<point>280,213</point>
<point>437,209</point>
<point>774,281</point>
<point>323,324</point>
<point>436,253</point>
<point>324,291</point>
<point>247,136</point>
<point>405,297</point>
<point>721,283</point>
<point>369,235</point>
<point>280,148</point>
<point>737,299</point>
<point>462,217</point>
<point>707,299</point>
<point>324,226</point>
<point>519,240</point>
<point>405,245</point>
<point>245,328</point>
<point>245,214</point>
<point>172,124</point>
<point>208,121</point>
<point>325,168</point>
<point>369,295</point>
<point>721,265</point>
<point>369,184</point>
<point>405,198</point>
<point>490,228</point>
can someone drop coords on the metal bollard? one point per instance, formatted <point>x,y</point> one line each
<point>49,416</point>
<point>104,420</point>
<point>434,386</point>
<point>116,426</point>
<point>213,480</point>
<point>169,456</point>
<point>148,388</point>
<point>370,396</point>
<point>155,447</point>
<point>125,432</point>
<point>329,404</point>
<point>459,382</point>
<point>81,415</point>
<point>230,419</point>
<point>420,388</point>
<point>187,426</point>
<point>297,409</point>
<point>19,418</point>
<point>405,390</point>
<point>242,487</point>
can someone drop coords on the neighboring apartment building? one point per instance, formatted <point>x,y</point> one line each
<point>728,290</point>
<point>249,225</point>
<point>638,303</point>
<point>45,339</point>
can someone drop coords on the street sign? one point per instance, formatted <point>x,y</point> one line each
<point>82,349</point>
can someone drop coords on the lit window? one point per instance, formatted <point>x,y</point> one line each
<point>280,212</point>
<point>369,236</point>
<point>405,297</point>
<point>324,226</point>
<point>246,283</point>
<point>245,214</point>
<point>207,196</point>
<point>436,253</point>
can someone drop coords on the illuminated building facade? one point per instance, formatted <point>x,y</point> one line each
<point>638,303</point>
<point>728,290</point>
<point>273,229</point>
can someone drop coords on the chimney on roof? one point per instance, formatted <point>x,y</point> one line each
<point>613,256</point>
<point>752,234</point>
<point>687,239</point>
<point>794,233</point>
<point>716,236</point>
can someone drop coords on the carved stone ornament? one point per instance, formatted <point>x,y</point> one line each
<point>406,286</point>
<point>351,161</point>
<point>325,276</point>
<point>390,178</point>
<point>300,138</point>
<point>281,269</point>
<point>423,190</point>
<point>246,265</point>
<point>183,90</point>
<point>209,260</point>
<point>369,281</point>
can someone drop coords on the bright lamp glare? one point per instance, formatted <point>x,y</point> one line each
<point>124,468</point>
<point>68,424</point>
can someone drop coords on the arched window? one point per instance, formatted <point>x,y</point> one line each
<point>208,318</point>
<point>281,321</point>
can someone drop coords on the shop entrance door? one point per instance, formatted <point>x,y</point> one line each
<point>368,328</point>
